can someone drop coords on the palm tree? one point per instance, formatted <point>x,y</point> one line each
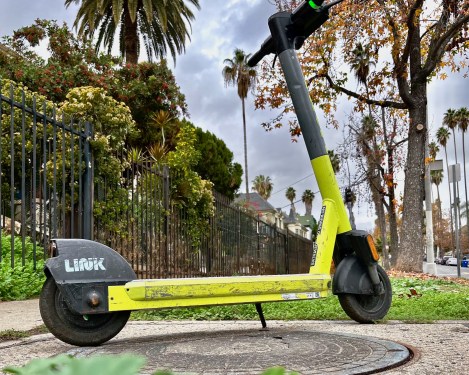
<point>442,135</point>
<point>462,117</point>
<point>163,25</point>
<point>263,185</point>
<point>307,198</point>
<point>237,73</point>
<point>433,149</point>
<point>360,63</point>
<point>291,195</point>
<point>451,121</point>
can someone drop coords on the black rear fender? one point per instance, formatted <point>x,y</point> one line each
<point>83,270</point>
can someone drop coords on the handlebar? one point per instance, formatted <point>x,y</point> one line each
<point>267,48</point>
<point>304,21</point>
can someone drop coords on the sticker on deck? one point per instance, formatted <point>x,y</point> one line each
<point>293,296</point>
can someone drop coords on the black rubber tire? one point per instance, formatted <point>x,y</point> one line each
<point>73,328</point>
<point>368,308</point>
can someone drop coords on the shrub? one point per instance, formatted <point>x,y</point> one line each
<point>21,281</point>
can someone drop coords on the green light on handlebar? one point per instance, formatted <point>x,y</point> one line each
<point>313,4</point>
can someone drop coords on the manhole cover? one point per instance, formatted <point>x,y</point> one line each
<point>251,352</point>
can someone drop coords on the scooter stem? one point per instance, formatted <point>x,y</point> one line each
<point>314,141</point>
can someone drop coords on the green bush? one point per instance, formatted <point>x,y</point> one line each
<point>21,281</point>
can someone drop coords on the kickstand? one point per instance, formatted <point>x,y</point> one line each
<point>261,315</point>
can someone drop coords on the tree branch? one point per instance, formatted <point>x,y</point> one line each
<point>381,103</point>
<point>439,42</point>
<point>397,144</point>
<point>400,64</point>
<point>411,27</point>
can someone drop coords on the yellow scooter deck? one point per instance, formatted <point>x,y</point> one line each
<point>168,293</point>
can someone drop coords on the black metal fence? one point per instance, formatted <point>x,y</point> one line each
<point>45,174</point>
<point>48,191</point>
<point>157,241</point>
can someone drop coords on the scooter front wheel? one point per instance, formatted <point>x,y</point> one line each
<point>365,308</point>
<point>77,329</point>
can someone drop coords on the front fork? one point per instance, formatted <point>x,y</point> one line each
<point>352,244</point>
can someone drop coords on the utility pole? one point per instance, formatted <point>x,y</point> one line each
<point>455,177</point>
<point>430,266</point>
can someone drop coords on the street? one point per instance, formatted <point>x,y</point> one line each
<point>451,271</point>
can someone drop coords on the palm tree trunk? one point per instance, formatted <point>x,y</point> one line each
<point>130,38</point>
<point>245,150</point>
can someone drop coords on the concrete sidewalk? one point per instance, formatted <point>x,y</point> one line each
<point>20,315</point>
<point>312,347</point>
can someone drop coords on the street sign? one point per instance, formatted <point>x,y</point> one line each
<point>436,165</point>
<point>454,173</point>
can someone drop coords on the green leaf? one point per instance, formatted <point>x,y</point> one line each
<point>133,7</point>
<point>117,8</point>
<point>67,365</point>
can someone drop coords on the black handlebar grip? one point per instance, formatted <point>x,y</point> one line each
<point>254,59</point>
<point>266,48</point>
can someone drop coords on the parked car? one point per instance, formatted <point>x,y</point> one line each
<point>445,259</point>
<point>452,261</point>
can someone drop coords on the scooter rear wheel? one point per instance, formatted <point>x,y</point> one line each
<point>368,308</point>
<point>77,329</point>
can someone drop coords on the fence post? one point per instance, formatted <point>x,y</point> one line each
<point>238,242</point>
<point>166,214</point>
<point>88,187</point>
<point>258,252</point>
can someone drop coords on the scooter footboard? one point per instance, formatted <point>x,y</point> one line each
<point>83,270</point>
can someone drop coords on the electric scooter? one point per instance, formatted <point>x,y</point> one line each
<point>90,289</point>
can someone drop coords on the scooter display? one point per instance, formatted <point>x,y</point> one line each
<point>90,289</point>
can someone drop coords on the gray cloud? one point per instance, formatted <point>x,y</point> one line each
<point>19,13</point>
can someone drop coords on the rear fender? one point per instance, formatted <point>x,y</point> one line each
<point>83,270</point>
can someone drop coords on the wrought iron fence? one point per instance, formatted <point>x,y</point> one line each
<point>45,174</point>
<point>48,191</point>
<point>153,234</point>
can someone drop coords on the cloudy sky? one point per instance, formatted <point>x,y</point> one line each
<point>221,26</point>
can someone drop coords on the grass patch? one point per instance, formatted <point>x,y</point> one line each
<point>418,299</point>
<point>13,334</point>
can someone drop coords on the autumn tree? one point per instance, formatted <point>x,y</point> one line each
<point>412,43</point>
<point>379,157</point>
